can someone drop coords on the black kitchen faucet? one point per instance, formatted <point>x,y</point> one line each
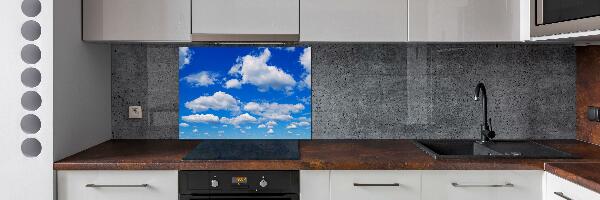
<point>487,134</point>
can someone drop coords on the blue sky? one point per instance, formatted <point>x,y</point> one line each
<point>244,93</point>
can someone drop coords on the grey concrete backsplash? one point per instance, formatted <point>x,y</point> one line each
<point>381,91</point>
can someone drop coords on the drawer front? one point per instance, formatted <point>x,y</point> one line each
<point>477,185</point>
<point>362,185</point>
<point>117,185</point>
<point>560,189</point>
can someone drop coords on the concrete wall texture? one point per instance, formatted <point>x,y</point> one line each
<point>383,91</point>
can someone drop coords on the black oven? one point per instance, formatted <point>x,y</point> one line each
<point>234,185</point>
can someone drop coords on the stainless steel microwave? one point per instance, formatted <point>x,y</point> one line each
<point>552,17</point>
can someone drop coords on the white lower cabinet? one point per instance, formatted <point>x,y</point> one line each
<point>314,184</point>
<point>482,185</point>
<point>560,189</point>
<point>117,185</point>
<point>375,185</point>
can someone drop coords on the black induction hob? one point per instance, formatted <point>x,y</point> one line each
<point>245,150</point>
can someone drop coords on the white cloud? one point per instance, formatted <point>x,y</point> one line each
<point>203,118</point>
<point>242,131</point>
<point>202,78</point>
<point>297,124</point>
<point>205,133</point>
<point>286,48</point>
<point>233,83</point>
<point>271,124</point>
<point>218,101</point>
<point>195,130</point>
<point>303,124</point>
<point>291,126</point>
<point>184,125</point>
<point>270,131</point>
<point>185,56</point>
<point>255,70</point>
<point>224,125</point>
<point>274,111</point>
<point>304,119</point>
<point>221,132</point>
<point>235,69</point>
<point>239,120</point>
<point>268,125</point>
<point>305,60</point>
<point>305,100</point>
<point>248,127</point>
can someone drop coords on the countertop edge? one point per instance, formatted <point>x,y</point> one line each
<point>576,178</point>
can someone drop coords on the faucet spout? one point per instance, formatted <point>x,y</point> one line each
<point>480,94</point>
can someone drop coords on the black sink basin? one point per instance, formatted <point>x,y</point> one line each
<point>469,149</point>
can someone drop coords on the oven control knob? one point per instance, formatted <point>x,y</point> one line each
<point>263,183</point>
<point>214,183</point>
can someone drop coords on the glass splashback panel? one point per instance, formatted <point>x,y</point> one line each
<point>245,92</point>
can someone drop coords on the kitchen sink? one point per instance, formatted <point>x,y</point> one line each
<point>471,149</point>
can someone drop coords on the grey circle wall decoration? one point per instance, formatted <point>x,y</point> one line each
<point>31,30</point>
<point>30,124</point>
<point>31,54</point>
<point>31,147</point>
<point>31,8</point>
<point>31,100</point>
<point>31,77</point>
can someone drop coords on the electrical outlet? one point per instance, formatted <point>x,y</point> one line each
<point>135,112</point>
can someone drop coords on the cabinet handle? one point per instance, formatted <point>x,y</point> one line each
<point>562,195</point>
<point>504,185</point>
<point>376,184</point>
<point>115,186</point>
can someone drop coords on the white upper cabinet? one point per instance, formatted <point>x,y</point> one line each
<point>136,20</point>
<point>245,20</point>
<point>469,20</point>
<point>354,20</point>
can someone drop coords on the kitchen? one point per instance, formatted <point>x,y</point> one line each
<point>156,99</point>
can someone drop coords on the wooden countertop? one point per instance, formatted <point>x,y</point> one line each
<point>331,155</point>
<point>584,174</point>
<point>314,154</point>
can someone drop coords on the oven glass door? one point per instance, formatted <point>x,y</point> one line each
<point>554,11</point>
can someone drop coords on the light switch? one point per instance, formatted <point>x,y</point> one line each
<point>135,112</point>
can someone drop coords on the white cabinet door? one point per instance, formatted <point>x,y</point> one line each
<point>117,185</point>
<point>468,20</point>
<point>314,185</point>
<point>353,20</point>
<point>215,20</point>
<point>478,185</point>
<point>375,185</point>
<point>136,20</point>
<point>560,189</point>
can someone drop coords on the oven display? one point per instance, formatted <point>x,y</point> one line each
<point>239,180</point>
